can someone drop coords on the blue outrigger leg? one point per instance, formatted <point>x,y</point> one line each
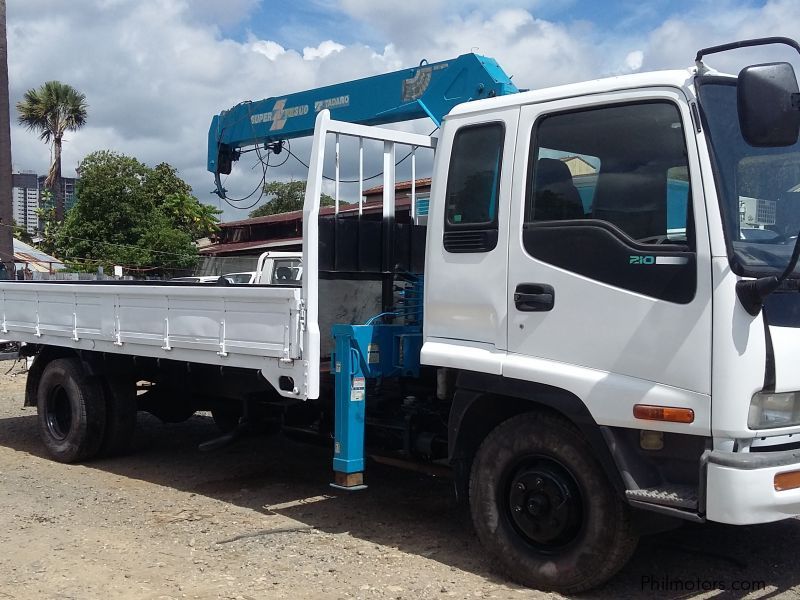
<point>365,352</point>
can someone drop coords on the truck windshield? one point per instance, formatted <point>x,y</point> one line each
<point>759,188</point>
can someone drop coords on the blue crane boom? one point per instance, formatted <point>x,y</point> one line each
<point>429,90</point>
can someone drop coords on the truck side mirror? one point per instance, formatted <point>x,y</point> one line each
<point>769,105</point>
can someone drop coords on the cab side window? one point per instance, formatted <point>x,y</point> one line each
<point>473,187</point>
<point>608,197</point>
<point>625,165</point>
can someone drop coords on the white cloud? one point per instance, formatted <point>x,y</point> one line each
<point>155,71</point>
<point>720,22</point>
<point>634,60</point>
<point>324,49</point>
<point>509,22</point>
<point>225,13</point>
<point>154,75</point>
<point>268,48</point>
<point>409,20</point>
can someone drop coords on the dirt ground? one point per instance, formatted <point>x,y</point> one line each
<point>258,520</point>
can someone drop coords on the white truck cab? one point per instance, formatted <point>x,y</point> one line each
<point>619,227</point>
<point>279,268</point>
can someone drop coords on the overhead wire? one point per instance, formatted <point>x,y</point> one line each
<point>120,245</point>
<point>265,166</point>
<point>260,185</point>
<point>297,158</point>
<point>130,267</point>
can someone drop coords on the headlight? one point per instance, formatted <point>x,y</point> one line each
<point>769,410</point>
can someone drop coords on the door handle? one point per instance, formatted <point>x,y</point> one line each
<point>534,297</point>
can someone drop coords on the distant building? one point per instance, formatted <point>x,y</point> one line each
<point>402,195</point>
<point>67,190</point>
<point>27,194</point>
<point>25,200</point>
<point>238,244</point>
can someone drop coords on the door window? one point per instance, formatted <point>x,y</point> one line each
<point>608,195</point>
<point>625,165</point>
<point>473,188</point>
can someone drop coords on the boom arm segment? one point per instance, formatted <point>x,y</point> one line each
<point>429,90</point>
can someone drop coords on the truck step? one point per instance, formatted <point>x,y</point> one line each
<point>674,495</point>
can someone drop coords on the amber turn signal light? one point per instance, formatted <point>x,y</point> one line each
<point>649,412</point>
<point>787,481</point>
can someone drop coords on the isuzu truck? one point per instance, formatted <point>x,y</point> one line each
<point>595,325</point>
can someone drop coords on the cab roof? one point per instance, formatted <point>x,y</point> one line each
<point>682,79</point>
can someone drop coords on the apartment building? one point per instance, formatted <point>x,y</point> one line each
<point>25,200</point>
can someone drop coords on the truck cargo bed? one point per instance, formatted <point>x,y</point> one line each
<point>243,326</point>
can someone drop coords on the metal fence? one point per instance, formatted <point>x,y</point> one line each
<point>61,276</point>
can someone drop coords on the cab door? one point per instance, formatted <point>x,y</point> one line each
<point>609,262</point>
<point>467,247</point>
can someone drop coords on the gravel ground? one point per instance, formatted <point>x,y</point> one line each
<point>258,520</point>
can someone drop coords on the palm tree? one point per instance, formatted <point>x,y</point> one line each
<point>52,110</point>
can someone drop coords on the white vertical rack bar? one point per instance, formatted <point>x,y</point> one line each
<point>360,176</point>
<point>336,183</point>
<point>388,179</point>
<point>413,184</point>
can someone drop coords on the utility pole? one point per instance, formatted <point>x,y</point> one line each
<point>6,210</point>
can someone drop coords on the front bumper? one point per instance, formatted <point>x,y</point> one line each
<point>740,487</point>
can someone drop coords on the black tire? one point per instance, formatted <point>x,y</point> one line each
<point>121,409</point>
<point>72,411</point>
<point>544,508</point>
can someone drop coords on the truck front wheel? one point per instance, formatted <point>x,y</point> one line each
<point>72,411</point>
<point>544,508</point>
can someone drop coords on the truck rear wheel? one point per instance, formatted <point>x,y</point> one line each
<point>72,411</point>
<point>543,506</point>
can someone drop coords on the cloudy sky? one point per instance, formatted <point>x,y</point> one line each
<point>155,71</point>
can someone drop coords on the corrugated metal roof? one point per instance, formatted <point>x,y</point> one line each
<point>38,260</point>
<point>254,245</point>
<point>401,185</point>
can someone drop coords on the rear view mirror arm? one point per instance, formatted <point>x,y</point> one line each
<point>742,44</point>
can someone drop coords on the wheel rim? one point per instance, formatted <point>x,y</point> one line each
<point>544,503</point>
<point>59,413</point>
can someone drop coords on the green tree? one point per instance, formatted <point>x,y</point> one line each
<point>48,225</point>
<point>175,198</point>
<point>286,196</point>
<point>122,216</point>
<point>52,110</point>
